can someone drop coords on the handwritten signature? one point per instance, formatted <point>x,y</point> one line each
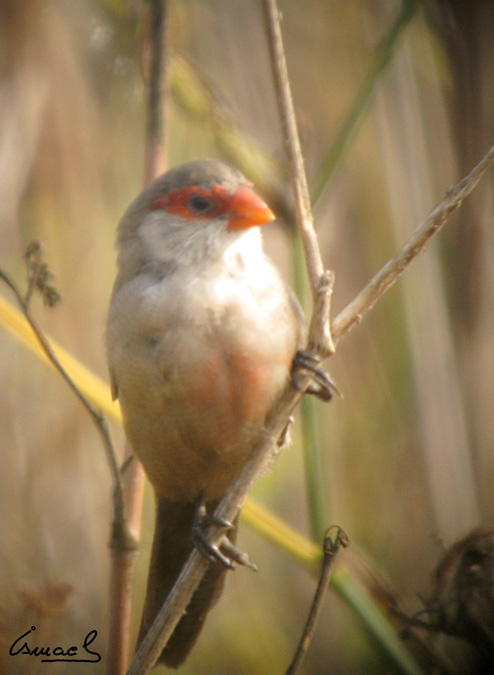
<point>52,654</point>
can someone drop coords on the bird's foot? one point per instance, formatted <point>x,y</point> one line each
<point>226,552</point>
<point>322,386</point>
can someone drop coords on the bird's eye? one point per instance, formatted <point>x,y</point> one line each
<point>199,204</point>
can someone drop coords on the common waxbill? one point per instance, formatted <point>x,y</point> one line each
<point>202,333</point>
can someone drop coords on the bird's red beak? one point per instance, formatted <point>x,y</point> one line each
<point>247,209</point>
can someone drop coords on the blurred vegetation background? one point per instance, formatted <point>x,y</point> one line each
<point>406,457</point>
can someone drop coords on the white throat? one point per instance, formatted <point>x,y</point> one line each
<point>197,244</point>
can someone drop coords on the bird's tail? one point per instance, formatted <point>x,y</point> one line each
<point>172,545</point>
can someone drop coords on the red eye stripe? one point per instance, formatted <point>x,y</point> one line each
<point>179,202</point>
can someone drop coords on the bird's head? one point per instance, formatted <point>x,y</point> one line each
<point>198,207</point>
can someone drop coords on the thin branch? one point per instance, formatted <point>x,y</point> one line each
<point>155,150</point>
<point>120,609</point>
<point>321,281</point>
<point>388,274</point>
<point>330,550</point>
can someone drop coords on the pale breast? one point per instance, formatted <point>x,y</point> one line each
<point>202,364</point>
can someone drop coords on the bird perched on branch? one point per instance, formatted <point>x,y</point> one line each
<point>201,338</point>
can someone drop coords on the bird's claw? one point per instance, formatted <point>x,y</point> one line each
<point>236,554</point>
<point>203,519</point>
<point>323,386</point>
<point>226,553</point>
<point>209,550</point>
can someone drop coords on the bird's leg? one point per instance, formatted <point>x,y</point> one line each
<point>322,386</point>
<point>226,553</point>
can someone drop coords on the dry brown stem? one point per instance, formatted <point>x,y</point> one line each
<point>330,550</point>
<point>321,281</point>
<point>155,75</point>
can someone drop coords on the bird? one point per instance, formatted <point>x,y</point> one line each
<point>202,335</point>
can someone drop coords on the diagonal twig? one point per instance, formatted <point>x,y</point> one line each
<point>389,273</point>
